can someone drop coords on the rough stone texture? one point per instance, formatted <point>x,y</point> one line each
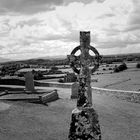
<point>84,123</point>
<point>29,82</point>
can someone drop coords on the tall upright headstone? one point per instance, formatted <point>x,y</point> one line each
<point>84,121</point>
<point>74,90</point>
<point>29,82</point>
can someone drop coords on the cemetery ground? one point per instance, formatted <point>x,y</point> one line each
<point>128,80</point>
<point>119,120</point>
<point>106,78</point>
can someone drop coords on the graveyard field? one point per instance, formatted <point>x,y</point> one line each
<point>119,120</point>
<point>125,80</point>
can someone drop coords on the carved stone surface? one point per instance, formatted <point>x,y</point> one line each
<point>84,123</point>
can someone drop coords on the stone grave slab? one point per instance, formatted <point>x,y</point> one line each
<point>74,90</point>
<point>40,96</point>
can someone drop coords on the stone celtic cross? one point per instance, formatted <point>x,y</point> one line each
<point>84,60</point>
<point>84,123</point>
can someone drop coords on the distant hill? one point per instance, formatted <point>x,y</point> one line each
<point>3,60</point>
<point>125,54</point>
<point>34,60</point>
<point>53,57</point>
<point>48,60</point>
<point>62,59</point>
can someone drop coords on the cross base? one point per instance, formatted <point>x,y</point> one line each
<point>84,124</point>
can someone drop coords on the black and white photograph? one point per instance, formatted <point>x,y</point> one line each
<point>69,69</point>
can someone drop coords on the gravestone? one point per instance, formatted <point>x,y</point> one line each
<point>74,90</point>
<point>29,82</point>
<point>70,77</point>
<point>84,120</point>
<point>52,96</point>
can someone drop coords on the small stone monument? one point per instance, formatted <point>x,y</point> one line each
<point>70,77</point>
<point>29,82</point>
<point>74,90</point>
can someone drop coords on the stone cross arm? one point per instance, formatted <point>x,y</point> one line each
<point>84,58</point>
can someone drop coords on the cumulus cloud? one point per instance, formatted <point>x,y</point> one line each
<point>134,18</point>
<point>34,6</point>
<point>106,16</point>
<point>82,1</point>
<point>114,26</point>
<point>28,6</point>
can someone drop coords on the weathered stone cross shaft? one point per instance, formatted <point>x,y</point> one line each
<point>84,123</point>
<point>84,60</point>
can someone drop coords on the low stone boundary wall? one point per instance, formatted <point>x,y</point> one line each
<point>21,82</point>
<point>131,96</point>
<point>53,84</point>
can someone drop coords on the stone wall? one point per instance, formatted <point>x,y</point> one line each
<point>131,96</point>
<point>54,84</point>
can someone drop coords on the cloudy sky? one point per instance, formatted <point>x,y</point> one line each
<point>37,28</point>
